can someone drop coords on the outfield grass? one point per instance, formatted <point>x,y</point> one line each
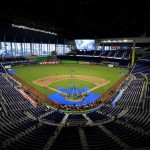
<point>31,73</point>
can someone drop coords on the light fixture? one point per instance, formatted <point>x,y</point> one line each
<point>32,29</point>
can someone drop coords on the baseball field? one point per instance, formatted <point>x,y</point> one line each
<point>48,78</point>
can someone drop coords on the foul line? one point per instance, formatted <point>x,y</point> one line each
<point>90,90</point>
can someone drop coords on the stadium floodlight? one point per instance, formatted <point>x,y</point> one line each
<point>120,41</point>
<point>109,41</point>
<point>129,41</point>
<point>125,40</point>
<point>32,29</point>
<point>117,41</point>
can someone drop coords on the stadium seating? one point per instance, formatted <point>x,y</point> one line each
<point>2,70</point>
<point>98,139</point>
<point>67,139</point>
<point>125,125</point>
<point>127,55</point>
<point>119,54</point>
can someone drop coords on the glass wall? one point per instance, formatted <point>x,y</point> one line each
<point>51,48</point>
<point>59,49</point>
<point>44,49</point>
<point>13,49</point>
<point>36,48</point>
<point>67,49</point>
<point>8,49</point>
<point>27,49</point>
<point>18,49</point>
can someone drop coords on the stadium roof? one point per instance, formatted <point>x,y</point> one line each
<point>81,18</point>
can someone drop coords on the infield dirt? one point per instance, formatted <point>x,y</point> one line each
<point>45,82</point>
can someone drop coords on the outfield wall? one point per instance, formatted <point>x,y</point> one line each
<point>69,62</point>
<point>39,59</point>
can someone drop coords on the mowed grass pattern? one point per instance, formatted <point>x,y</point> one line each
<point>34,72</point>
<point>68,82</point>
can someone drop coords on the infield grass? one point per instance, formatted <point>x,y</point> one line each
<point>68,82</point>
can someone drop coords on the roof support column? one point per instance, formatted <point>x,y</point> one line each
<point>133,54</point>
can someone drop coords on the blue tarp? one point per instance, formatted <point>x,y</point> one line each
<point>12,71</point>
<point>68,91</point>
<point>91,97</point>
<point>117,97</point>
